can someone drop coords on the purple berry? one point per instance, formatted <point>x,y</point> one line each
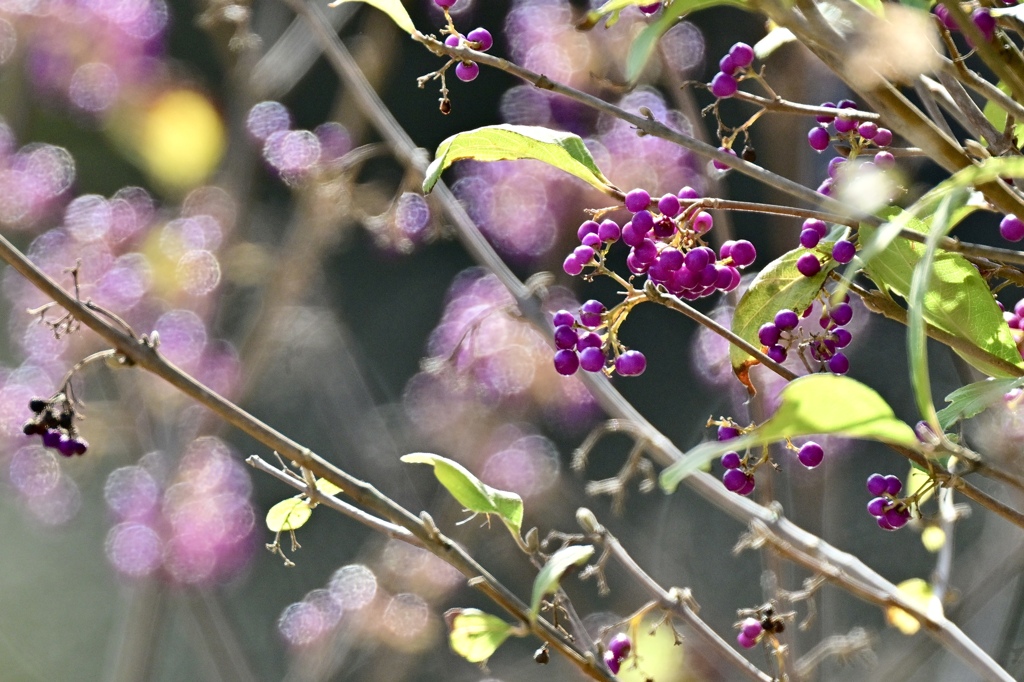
<point>896,518</point>
<point>453,40</point>
<point>669,205</point>
<point>620,646</point>
<point>590,313</point>
<point>810,454</point>
<point>571,265</point>
<point>66,445</point>
<point>609,231</point>
<point>840,314</point>
<point>742,55</point>
<point>833,171</point>
<point>868,130</point>
<point>742,253</point>
<point>591,240</point>
<point>944,16</point>
<point>651,8</point>
<point>563,317</point>
<point>877,485</point>
<point>819,139</point>
<point>746,642</point>
<point>466,71</point>
<point>728,432</point>
<point>786,320</point>
<point>718,164</point>
<point>893,485</point>
<point>885,160</point>
<point>768,334</point>
<point>883,138</point>
<point>876,507</point>
<point>809,238</point>
<point>839,364</point>
<point>696,260</point>
<point>842,338</point>
<point>80,445</point>
<point>445,4</point>
<point>734,480</point>
<point>845,125</point>
<point>688,193</point>
<point>637,200</point>
<point>631,363</point>
<point>592,359</point>
<point>632,236</point>
<point>587,227</point>
<point>51,438</point>
<point>985,22</point>
<point>482,37</point>
<point>1011,228</point>
<point>731,460</point>
<point>808,265</point>
<point>566,362</point>
<point>646,252</point>
<point>824,118</point>
<point>584,254</point>
<point>703,222</point>
<point>612,662</point>
<point>751,628</point>
<point>565,337</point>
<point>843,251</point>
<point>748,487</point>
<point>818,226</point>
<point>726,65</point>
<point>723,85</point>
<point>643,220</point>
<point>588,340</point>
<point>777,353</point>
<point>672,258</point>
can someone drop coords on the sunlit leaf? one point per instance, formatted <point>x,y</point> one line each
<point>475,635</point>
<point>609,11</point>
<point>550,576</point>
<point>776,38</point>
<point>813,404</point>
<point>917,479</point>
<point>564,151</point>
<point>995,114</point>
<point>326,487</point>
<point>471,492</point>
<point>644,44</point>
<point>290,514</point>
<point>778,286</point>
<point>393,8</point>
<point>973,399</point>
<point>918,593</point>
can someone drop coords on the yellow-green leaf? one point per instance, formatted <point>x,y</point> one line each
<point>918,593</point>
<point>474,634</point>
<point>290,514</point>
<point>550,576</point>
<point>813,404</point>
<point>564,151</point>
<point>475,495</point>
<point>326,487</point>
<point>392,8</point>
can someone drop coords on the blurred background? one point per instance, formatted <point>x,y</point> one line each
<point>216,184</point>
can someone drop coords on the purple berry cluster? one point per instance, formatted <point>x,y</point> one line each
<point>750,632</point>
<point>54,422</point>
<point>477,39</point>
<point>618,651</point>
<point>981,17</point>
<point>739,471</point>
<point>666,245</point>
<point>731,69</point>
<point>859,136</point>
<point>580,345</point>
<point>809,264</point>
<point>891,512</point>
<point>784,333</point>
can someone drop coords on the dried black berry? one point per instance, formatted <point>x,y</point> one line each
<point>37,405</point>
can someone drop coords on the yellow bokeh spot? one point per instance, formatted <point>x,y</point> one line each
<point>933,538</point>
<point>918,593</point>
<point>181,139</point>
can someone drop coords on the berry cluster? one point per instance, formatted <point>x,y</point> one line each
<point>666,245</point>
<point>784,334</point>
<point>54,421</point>
<point>858,136</point>
<point>812,232</point>
<point>477,39</point>
<point>891,512</point>
<point>580,345</point>
<point>739,470</point>
<point>618,650</point>
<point>750,632</point>
<point>731,69</point>
<point>981,17</point>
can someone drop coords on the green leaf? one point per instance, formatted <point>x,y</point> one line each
<point>973,399</point>
<point>564,151</point>
<point>778,286</point>
<point>393,8</point>
<point>920,286</point>
<point>472,493</point>
<point>643,45</point>
<point>813,404</point>
<point>550,576</point>
<point>475,635</point>
<point>326,487</point>
<point>874,6</point>
<point>290,514</point>
<point>995,114</point>
<point>958,301</point>
<point>610,10</point>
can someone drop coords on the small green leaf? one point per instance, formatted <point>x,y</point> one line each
<point>917,338</point>
<point>550,576</point>
<point>290,514</point>
<point>564,151</point>
<point>471,492</point>
<point>475,635</point>
<point>813,404</point>
<point>973,399</point>
<point>326,487</point>
<point>393,8</point>
<point>778,286</point>
<point>643,45</point>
